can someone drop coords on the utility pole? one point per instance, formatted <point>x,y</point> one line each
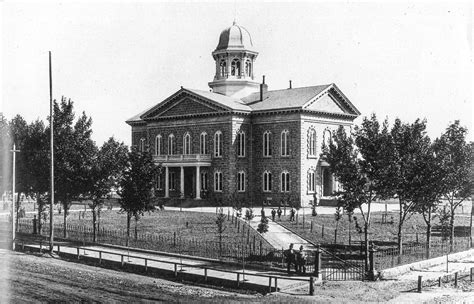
<point>51,120</point>
<point>14,151</point>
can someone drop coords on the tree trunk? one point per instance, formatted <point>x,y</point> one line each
<point>400,227</point>
<point>220,245</point>
<point>128,226</point>
<point>366,247</point>
<point>98,218</point>
<point>17,211</point>
<point>40,210</point>
<point>428,236</point>
<point>65,205</point>
<point>136,231</point>
<point>451,229</point>
<point>94,218</point>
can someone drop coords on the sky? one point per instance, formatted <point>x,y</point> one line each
<point>115,59</point>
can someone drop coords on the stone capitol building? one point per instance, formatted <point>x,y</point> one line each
<point>240,140</point>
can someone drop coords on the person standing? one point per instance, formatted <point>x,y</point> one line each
<point>290,258</point>
<point>273,214</point>
<point>279,213</point>
<point>300,260</point>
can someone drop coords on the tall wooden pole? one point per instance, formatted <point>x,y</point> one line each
<point>51,120</point>
<point>14,151</point>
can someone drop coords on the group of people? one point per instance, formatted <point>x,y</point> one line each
<point>297,258</point>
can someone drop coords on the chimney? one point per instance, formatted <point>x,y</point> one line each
<point>290,85</point>
<point>263,88</point>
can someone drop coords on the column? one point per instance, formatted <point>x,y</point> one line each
<point>198,182</point>
<point>167,182</point>
<point>181,181</point>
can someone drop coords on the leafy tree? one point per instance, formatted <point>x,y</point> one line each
<point>220,220</point>
<point>108,165</point>
<point>361,165</point>
<point>136,186</point>
<point>455,157</point>
<point>411,146</point>
<point>74,152</point>
<point>37,167</point>
<point>263,225</point>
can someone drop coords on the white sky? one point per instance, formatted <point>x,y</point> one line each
<point>115,59</point>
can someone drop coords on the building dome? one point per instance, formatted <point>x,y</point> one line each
<point>235,37</point>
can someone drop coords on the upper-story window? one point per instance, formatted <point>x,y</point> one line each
<point>241,181</point>
<point>241,144</point>
<point>327,138</point>
<point>235,67</point>
<point>218,181</point>
<point>171,144</point>
<point>218,144</point>
<point>248,68</point>
<point>285,181</point>
<point>312,142</point>
<point>142,145</point>
<point>187,144</point>
<point>158,144</point>
<point>203,143</point>
<point>267,144</point>
<point>222,68</point>
<point>284,143</point>
<point>267,181</point>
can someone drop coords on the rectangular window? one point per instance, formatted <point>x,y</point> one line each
<point>241,182</point>
<point>241,144</point>
<point>204,181</point>
<point>285,182</point>
<point>311,181</point>
<point>218,181</point>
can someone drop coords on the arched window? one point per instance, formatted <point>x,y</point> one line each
<point>284,143</point>
<point>248,68</point>
<point>241,144</point>
<point>327,138</point>
<point>285,181</point>
<point>203,143</point>
<point>158,144</point>
<point>223,67</point>
<point>267,181</point>
<point>170,144</point>
<point>218,144</point>
<point>187,144</point>
<point>203,180</point>
<point>235,67</point>
<point>141,148</point>
<point>241,181</point>
<point>311,181</point>
<point>267,144</point>
<point>312,142</point>
<point>218,181</point>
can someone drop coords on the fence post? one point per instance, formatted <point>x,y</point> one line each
<point>276,284</point>
<point>311,230</point>
<point>439,281</point>
<point>261,248</point>
<point>470,274</point>
<point>41,246</point>
<point>174,239</point>
<point>311,286</point>
<point>238,279</point>
<point>205,274</point>
<point>269,284</point>
<point>175,269</point>
<point>456,279</point>
<point>34,225</point>
<point>371,263</point>
<point>121,259</point>
<point>419,283</point>
<point>100,257</point>
<point>77,253</point>
<point>322,232</point>
<point>317,262</point>
<point>146,265</point>
<point>59,249</point>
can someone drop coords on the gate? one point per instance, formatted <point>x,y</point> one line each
<point>334,268</point>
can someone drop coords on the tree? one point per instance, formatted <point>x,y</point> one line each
<point>74,152</point>
<point>220,220</point>
<point>455,156</point>
<point>263,225</point>
<point>411,148</point>
<point>136,186</point>
<point>361,165</point>
<point>108,165</point>
<point>37,163</point>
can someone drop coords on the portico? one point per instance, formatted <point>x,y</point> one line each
<point>184,162</point>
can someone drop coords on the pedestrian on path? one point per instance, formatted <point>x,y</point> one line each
<point>262,213</point>
<point>290,258</point>
<point>279,213</point>
<point>273,214</point>
<point>292,215</point>
<point>301,260</point>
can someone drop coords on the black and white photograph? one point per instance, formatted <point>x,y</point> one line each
<point>236,151</point>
